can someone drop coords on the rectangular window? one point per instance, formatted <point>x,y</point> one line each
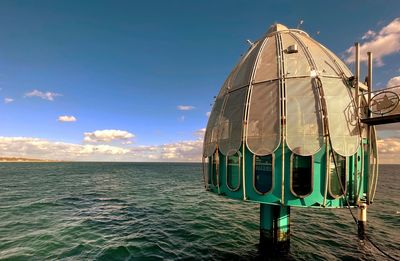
<point>215,169</point>
<point>233,172</point>
<point>335,188</point>
<point>301,183</point>
<point>207,171</point>
<point>263,174</point>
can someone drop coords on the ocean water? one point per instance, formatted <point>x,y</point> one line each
<point>151,211</point>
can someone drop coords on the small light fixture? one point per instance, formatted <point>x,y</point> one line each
<point>292,49</point>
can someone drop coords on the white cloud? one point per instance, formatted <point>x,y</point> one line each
<point>381,44</point>
<point>45,149</point>
<point>368,35</point>
<point>389,150</point>
<point>180,151</point>
<point>185,107</point>
<point>27,147</point>
<point>44,95</point>
<point>8,100</point>
<point>208,113</point>
<point>108,136</point>
<point>200,133</point>
<point>66,118</point>
<point>389,145</point>
<point>395,81</point>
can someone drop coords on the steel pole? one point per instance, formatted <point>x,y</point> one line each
<point>274,227</point>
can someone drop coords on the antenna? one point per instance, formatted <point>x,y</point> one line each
<point>249,42</point>
<point>300,23</point>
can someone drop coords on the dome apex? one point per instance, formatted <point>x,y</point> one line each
<point>276,28</point>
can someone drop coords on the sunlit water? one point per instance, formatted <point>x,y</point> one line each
<point>150,211</point>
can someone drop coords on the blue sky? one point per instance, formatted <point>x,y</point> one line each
<point>128,65</point>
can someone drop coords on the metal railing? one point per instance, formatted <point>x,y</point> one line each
<point>383,102</point>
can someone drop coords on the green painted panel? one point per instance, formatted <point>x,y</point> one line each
<point>233,171</point>
<point>275,196</point>
<point>236,193</point>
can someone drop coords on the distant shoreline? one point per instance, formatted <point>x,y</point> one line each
<point>17,159</point>
<point>30,160</point>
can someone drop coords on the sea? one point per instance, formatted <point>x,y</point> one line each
<point>161,211</point>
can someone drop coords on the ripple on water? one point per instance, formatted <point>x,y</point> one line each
<point>124,211</point>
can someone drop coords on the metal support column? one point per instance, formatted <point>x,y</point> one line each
<point>362,220</point>
<point>274,227</point>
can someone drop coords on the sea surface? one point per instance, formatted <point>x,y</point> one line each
<point>160,211</point>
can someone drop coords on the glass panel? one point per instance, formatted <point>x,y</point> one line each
<point>296,64</point>
<point>263,174</point>
<point>246,68</point>
<point>215,169</point>
<point>324,63</point>
<point>263,128</point>
<point>228,82</point>
<point>342,120</point>
<point>231,122</point>
<point>210,137</point>
<point>334,186</point>
<point>305,134</point>
<point>341,64</point>
<point>267,65</point>
<point>233,172</point>
<point>301,176</point>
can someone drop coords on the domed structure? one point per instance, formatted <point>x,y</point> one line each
<point>284,129</point>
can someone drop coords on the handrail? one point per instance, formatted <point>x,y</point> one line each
<point>383,102</point>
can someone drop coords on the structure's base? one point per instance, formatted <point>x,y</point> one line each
<point>362,220</point>
<point>274,227</point>
<point>362,227</point>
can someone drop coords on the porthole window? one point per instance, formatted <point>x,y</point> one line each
<point>215,169</point>
<point>207,170</point>
<point>335,189</point>
<point>263,174</point>
<point>301,183</point>
<point>233,171</point>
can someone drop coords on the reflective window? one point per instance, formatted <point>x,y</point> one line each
<point>233,172</point>
<point>207,170</point>
<point>334,186</point>
<point>214,169</point>
<point>301,175</point>
<point>263,174</point>
<point>263,128</point>
<point>231,122</point>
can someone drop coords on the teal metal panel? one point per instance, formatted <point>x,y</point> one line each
<point>275,196</point>
<point>222,175</point>
<point>213,186</point>
<point>224,190</point>
<point>316,198</point>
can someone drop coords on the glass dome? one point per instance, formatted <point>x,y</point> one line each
<point>287,87</point>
